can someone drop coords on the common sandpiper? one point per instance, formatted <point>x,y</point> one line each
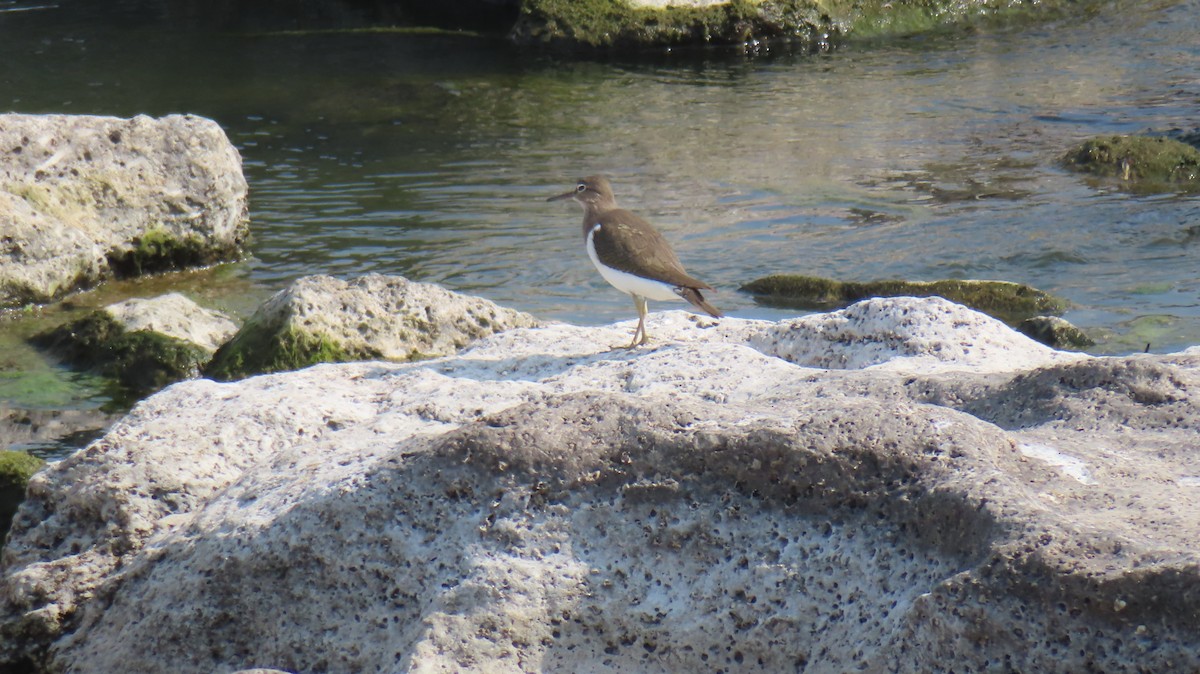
<point>631,254</point>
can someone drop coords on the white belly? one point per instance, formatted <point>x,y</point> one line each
<point>629,283</point>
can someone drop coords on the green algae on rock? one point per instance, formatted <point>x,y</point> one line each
<point>607,23</point>
<point>811,23</point>
<point>1010,302</point>
<point>15,470</point>
<point>267,345</point>
<point>1144,163</point>
<point>140,344</point>
<point>158,250</point>
<point>1055,332</point>
<point>140,361</point>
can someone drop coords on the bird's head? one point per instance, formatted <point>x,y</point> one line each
<point>592,192</point>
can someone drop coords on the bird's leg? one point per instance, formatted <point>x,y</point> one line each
<point>640,303</point>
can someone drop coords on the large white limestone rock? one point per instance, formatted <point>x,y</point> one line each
<point>85,198</point>
<point>949,496</point>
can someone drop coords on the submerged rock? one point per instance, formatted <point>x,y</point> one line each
<point>84,198</point>
<point>144,344</point>
<point>22,427</point>
<point>1010,302</point>
<point>320,319</point>
<point>903,485</point>
<point>1141,162</point>
<point>1055,332</point>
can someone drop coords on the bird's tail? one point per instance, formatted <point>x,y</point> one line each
<point>693,295</point>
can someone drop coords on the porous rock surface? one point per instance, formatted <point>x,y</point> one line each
<point>901,486</point>
<point>84,198</point>
<point>175,316</point>
<point>325,319</point>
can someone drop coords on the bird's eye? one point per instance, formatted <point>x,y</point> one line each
<point>580,187</point>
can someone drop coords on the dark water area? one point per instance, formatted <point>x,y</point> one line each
<point>430,156</point>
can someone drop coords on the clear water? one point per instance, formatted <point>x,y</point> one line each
<point>431,156</point>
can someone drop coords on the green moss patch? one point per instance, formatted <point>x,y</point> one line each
<point>612,23</point>
<point>1141,162</point>
<point>15,470</point>
<point>261,348</point>
<point>1010,302</point>
<point>872,19</point>
<point>140,362</point>
<point>1055,332</point>
<point>157,250</point>
<point>811,23</point>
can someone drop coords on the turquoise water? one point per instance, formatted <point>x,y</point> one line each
<point>431,156</point>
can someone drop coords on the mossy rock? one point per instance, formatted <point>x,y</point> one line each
<point>1010,302</point>
<point>613,23</point>
<point>140,361</point>
<point>1141,162</point>
<point>321,319</point>
<point>809,23</point>
<point>263,347</point>
<point>1055,332</point>
<point>15,470</point>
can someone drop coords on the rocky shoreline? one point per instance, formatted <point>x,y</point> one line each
<point>426,480</point>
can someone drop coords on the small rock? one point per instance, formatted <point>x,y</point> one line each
<point>1055,332</point>
<point>320,319</point>
<point>175,316</point>
<point>144,344</point>
<point>1144,163</point>
<point>1010,302</point>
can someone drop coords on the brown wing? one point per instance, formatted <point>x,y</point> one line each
<point>630,244</point>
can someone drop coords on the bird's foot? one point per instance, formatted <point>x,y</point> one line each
<point>623,347</point>
<point>637,342</point>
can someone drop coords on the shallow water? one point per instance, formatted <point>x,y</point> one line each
<point>431,156</point>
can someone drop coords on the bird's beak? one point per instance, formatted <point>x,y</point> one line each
<point>567,195</point>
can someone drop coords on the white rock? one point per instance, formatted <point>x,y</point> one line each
<point>175,316</point>
<point>541,503</point>
<point>896,333</point>
<point>78,193</point>
<point>372,316</point>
